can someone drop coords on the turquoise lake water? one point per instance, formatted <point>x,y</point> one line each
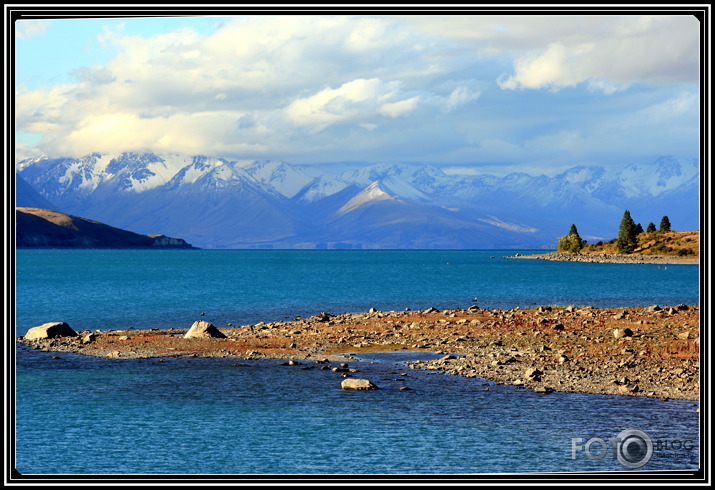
<point>80,415</point>
<point>91,289</point>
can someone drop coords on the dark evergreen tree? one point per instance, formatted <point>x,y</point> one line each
<point>665,224</point>
<point>639,229</point>
<point>627,236</point>
<point>650,228</point>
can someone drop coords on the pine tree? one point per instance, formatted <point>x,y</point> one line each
<point>627,236</point>
<point>639,229</point>
<point>651,228</point>
<point>665,224</point>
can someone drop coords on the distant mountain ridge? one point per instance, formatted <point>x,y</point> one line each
<point>43,228</point>
<point>218,203</point>
<point>27,196</point>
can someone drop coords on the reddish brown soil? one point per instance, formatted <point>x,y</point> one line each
<point>575,349</point>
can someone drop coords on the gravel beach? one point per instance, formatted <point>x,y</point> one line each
<point>606,258</point>
<point>649,351</point>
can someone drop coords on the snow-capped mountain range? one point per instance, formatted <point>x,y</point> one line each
<point>218,203</point>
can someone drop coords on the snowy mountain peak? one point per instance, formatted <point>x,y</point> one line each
<point>281,176</point>
<point>228,172</point>
<point>377,172</point>
<point>200,165</point>
<point>581,174</point>
<point>200,198</point>
<point>27,162</point>
<point>665,174</point>
<point>370,195</point>
<point>400,188</point>
<point>320,188</point>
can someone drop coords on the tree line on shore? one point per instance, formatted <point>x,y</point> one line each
<point>626,242</point>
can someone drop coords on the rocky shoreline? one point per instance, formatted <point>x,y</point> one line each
<point>605,258</point>
<point>643,351</point>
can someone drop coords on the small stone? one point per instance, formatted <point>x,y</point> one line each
<point>533,373</point>
<point>620,333</point>
<point>323,317</point>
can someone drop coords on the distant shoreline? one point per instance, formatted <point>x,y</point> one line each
<point>605,258</point>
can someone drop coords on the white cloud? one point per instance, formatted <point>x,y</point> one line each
<point>399,108</point>
<point>312,87</point>
<point>354,99</point>
<point>462,95</point>
<point>654,49</point>
<point>682,104</point>
<point>564,141</point>
<point>550,68</point>
<point>267,67</point>
<point>678,112</point>
<point>27,30</point>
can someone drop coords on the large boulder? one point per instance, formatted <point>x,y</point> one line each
<point>203,330</point>
<point>50,331</point>
<point>357,384</point>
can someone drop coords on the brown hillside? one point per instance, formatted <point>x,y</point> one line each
<point>680,243</point>
<point>37,227</point>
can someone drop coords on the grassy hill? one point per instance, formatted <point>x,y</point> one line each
<point>37,227</point>
<point>678,243</point>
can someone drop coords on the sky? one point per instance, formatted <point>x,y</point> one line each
<point>470,93</point>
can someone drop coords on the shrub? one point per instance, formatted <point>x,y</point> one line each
<point>569,243</point>
<point>572,242</point>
